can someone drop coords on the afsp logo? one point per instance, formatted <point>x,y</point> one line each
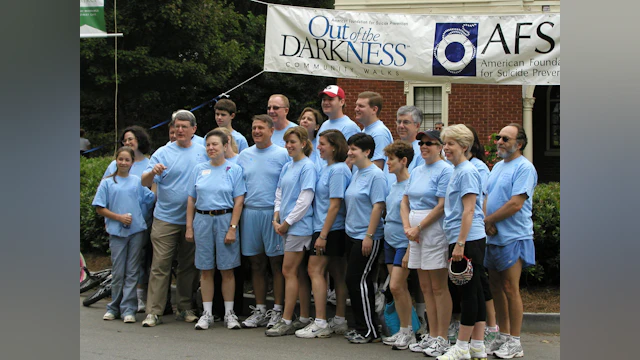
<point>454,53</point>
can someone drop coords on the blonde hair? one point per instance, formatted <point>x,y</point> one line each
<point>232,141</point>
<point>302,135</point>
<point>460,134</point>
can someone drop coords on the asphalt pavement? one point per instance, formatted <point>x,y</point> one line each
<point>173,339</point>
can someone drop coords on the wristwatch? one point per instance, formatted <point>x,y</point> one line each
<point>233,226</point>
<point>370,236</point>
<point>460,243</point>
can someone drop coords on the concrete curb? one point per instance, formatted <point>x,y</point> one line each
<point>532,322</point>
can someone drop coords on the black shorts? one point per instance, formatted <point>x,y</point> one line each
<point>335,243</point>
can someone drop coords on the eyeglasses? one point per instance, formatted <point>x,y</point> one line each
<point>504,138</point>
<point>428,143</point>
<point>275,108</point>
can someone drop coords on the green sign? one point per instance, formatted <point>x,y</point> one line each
<point>92,17</point>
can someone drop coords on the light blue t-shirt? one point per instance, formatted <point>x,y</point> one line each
<point>368,186</point>
<point>241,141</point>
<point>261,169</point>
<point>126,196</point>
<point>381,137</point>
<point>173,183</point>
<point>234,159</point>
<point>278,135</point>
<point>393,229</point>
<point>417,157</point>
<point>427,183</point>
<point>315,156</point>
<point>483,170</point>
<point>464,180</point>
<point>215,187</point>
<point>137,168</point>
<point>332,184</point>
<point>295,177</point>
<point>506,180</point>
<point>199,140</point>
<point>343,124</point>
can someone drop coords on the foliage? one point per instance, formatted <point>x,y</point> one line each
<point>490,152</point>
<point>93,237</point>
<point>546,236</point>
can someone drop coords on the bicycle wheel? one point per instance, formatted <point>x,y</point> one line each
<point>102,293</point>
<point>94,280</point>
<point>83,266</point>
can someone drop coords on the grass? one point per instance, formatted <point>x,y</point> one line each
<point>534,299</point>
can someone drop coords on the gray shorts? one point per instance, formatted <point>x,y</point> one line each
<point>294,243</point>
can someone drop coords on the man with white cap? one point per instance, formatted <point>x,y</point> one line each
<point>333,106</point>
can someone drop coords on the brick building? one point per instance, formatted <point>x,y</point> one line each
<point>487,108</point>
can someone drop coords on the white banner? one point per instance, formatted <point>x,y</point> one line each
<point>92,18</point>
<point>471,49</point>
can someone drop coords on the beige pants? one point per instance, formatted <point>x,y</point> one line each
<point>167,239</point>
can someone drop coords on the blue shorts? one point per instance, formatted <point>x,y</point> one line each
<point>392,255</point>
<point>501,258</point>
<point>258,236</point>
<point>209,233</point>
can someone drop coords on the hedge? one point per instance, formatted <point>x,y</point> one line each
<point>546,220</point>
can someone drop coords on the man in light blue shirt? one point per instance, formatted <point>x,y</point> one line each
<point>368,107</point>
<point>262,164</point>
<point>170,168</point>
<point>333,104</point>
<point>278,109</point>
<point>225,112</point>
<point>508,207</point>
<point>408,120</point>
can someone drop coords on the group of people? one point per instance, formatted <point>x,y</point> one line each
<point>326,197</point>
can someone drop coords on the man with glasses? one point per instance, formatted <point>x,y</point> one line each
<point>278,108</point>
<point>408,123</point>
<point>438,126</point>
<point>509,228</point>
<point>170,168</point>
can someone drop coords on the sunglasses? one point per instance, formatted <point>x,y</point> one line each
<point>275,108</point>
<point>504,138</point>
<point>428,143</point>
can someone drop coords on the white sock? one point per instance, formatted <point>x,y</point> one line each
<point>262,308</point>
<point>288,322</point>
<point>140,293</point>
<point>464,345</point>
<point>477,343</point>
<point>505,336</point>
<point>228,307</point>
<point>405,330</point>
<point>304,320</point>
<point>277,307</point>
<point>339,320</point>
<point>420,309</point>
<point>493,328</point>
<point>516,339</point>
<point>208,306</point>
<point>322,323</point>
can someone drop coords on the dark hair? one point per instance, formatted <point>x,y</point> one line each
<point>121,149</point>
<point>339,143</point>
<point>81,132</point>
<point>141,136</point>
<point>316,114</point>
<point>400,149</point>
<point>375,99</point>
<point>364,142</point>
<point>521,137</point>
<point>477,150</point>
<point>264,118</point>
<point>219,133</point>
<point>303,136</point>
<point>225,105</point>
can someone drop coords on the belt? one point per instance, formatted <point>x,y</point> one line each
<point>214,212</point>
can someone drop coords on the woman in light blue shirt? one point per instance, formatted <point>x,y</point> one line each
<point>311,119</point>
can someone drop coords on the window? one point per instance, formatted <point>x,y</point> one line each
<point>553,121</point>
<point>431,99</point>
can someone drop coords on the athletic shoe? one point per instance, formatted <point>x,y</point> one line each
<point>455,353</point>
<point>361,339</point>
<point>478,353</point>
<point>331,296</point>
<point>494,345</point>
<point>338,329</point>
<point>205,321</point>
<point>314,331</point>
<point>423,327</point>
<point>187,316</point>
<point>403,341</point>
<point>423,344</point>
<point>509,350</point>
<point>129,319</point>
<point>454,327</point>
<point>390,340</point>
<point>231,320</point>
<point>349,334</point>
<point>109,316</point>
<point>280,329</point>
<point>297,324</point>
<point>490,337</point>
<point>151,320</point>
<point>274,318</point>
<point>141,306</point>
<point>256,319</point>
<point>438,347</point>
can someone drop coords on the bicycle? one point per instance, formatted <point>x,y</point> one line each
<point>93,279</point>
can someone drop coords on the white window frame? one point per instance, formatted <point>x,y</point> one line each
<point>409,90</point>
<point>549,150</point>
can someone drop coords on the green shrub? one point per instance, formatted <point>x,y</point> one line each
<point>93,237</point>
<point>546,236</point>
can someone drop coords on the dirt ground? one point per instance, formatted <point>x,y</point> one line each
<point>534,299</point>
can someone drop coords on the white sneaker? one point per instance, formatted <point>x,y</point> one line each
<point>495,344</point>
<point>452,333</point>
<point>455,353</point>
<point>331,296</point>
<point>478,353</point>
<point>205,321</point>
<point>509,350</point>
<point>129,319</point>
<point>231,319</point>
<point>390,340</point>
<point>274,317</point>
<point>438,347</point>
<point>425,341</point>
<point>256,319</point>
<point>151,320</point>
<point>108,316</point>
<point>403,341</point>
<point>314,331</point>
<point>141,306</point>
<point>338,329</point>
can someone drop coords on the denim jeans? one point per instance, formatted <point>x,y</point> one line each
<point>126,257</point>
